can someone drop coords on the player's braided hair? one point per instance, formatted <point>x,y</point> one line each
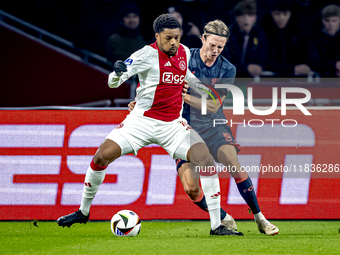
<point>216,27</point>
<point>165,21</point>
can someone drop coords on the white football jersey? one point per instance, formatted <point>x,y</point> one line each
<point>161,80</point>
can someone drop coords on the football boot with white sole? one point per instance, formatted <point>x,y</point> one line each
<point>265,227</point>
<point>229,222</point>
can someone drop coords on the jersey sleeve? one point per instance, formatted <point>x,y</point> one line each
<point>193,82</point>
<point>138,62</point>
<point>228,78</point>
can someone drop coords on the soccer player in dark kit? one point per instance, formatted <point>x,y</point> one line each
<point>211,68</point>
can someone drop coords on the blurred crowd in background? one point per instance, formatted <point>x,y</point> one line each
<point>285,37</point>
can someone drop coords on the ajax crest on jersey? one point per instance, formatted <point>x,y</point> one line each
<point>125,223</point>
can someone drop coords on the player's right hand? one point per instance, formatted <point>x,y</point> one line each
<point>131,105</point>
<point>119,67</point>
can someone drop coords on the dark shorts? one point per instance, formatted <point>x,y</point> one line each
<point>214,138</point>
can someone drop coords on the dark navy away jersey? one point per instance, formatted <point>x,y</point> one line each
<point>221,72</point>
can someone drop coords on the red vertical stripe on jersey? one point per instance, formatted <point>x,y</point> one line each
<point>167,102</point>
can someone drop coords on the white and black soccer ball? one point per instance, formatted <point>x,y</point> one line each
<point>125,223</point>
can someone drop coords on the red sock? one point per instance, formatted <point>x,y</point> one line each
<point>96,167</point>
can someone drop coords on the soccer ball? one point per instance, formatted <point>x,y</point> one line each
<point>125,223</point>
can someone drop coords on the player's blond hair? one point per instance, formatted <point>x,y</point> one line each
<point>216,27</point>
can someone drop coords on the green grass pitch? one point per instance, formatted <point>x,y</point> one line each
<point>168,237</point>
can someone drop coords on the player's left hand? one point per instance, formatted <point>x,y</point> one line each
<point>119,67</point>
<point>185,89</point>
<point>131,105</point>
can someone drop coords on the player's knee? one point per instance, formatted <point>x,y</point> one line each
<point>207,160</point>
<point>204,158</point>
<point>103,157</point>
<point>230,163</point>
<point>106,153</point>
<point>227,155</point>
<point>233,162</point>
<point>100,159</point>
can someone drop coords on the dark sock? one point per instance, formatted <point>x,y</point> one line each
<point>203,205</point>
<point>246,190</point>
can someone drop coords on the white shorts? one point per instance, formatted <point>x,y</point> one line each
<point>137,131</point>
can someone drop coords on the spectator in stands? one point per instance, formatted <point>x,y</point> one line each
<point>323,48</point>
<point>127,39</point>
<point>190,33</point>
<point>283,42</point>
<point>307,15</point>
<point>247,48</point>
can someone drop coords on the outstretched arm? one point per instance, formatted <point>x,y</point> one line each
<point>212,106</point>
<point>138,62</point>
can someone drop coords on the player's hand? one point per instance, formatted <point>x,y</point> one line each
<point>131,105</point>
<point>185,89</point>
<point>119,67</point>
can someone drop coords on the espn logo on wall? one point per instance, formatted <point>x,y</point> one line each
<point>44,156</point>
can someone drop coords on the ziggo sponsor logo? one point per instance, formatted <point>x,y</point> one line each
<point>169,77</point>
<point>161,178</point>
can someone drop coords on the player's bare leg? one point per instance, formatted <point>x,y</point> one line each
<point>199,156</point>
<point>107,152</point>
<point>227,155</point>
<point>190,182</point>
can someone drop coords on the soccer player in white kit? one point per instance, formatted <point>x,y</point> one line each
<point>162,68</point>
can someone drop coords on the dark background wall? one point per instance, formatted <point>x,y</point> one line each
<point>34,75</point>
